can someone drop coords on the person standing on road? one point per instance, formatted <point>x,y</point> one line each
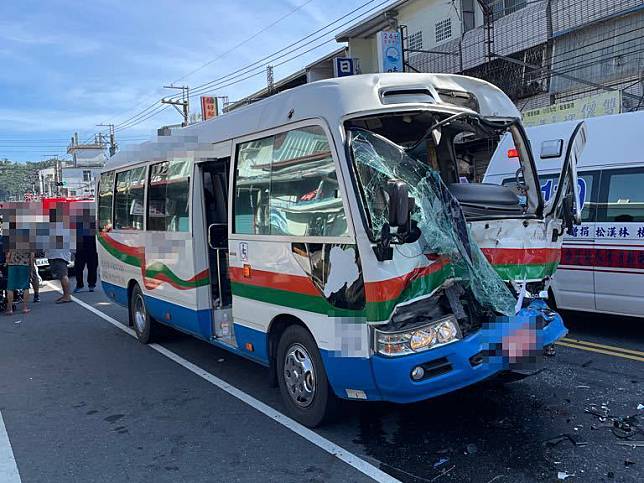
<point>86,254</point>
<point>58,260</point>
<point>35,281</point>
<point>18,277</point>
<point>59,251</point>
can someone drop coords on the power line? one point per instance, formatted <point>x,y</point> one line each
<point>271,58</point>
<point>295,9</point>
<point>154,109</point>
<point>245,41</point>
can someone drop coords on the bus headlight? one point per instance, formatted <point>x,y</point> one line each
<point>418,339</point>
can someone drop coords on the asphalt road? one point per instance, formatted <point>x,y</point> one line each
<point>81,400</point>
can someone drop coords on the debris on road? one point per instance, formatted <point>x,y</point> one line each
<point>573,438</point>
<point>441,462</point>
<point>562,475</point>
<point>640,407</point>
<point>632,444</point>
<point>623,427</point>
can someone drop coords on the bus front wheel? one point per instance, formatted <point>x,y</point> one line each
<point>302,379</point>
<point>143,323</point>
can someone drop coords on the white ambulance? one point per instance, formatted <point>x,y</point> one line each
<point>602,262</point>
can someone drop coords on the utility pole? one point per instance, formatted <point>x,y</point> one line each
<point>270,82</point>
<point>184,102</point>
<point>113,145</point>
<point>58,175</point>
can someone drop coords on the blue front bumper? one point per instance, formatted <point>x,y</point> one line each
<point>461,363</point>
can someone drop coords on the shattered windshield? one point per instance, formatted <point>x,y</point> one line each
<point>437,213</point>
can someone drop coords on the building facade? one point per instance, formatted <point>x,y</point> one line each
<point>539,52</point>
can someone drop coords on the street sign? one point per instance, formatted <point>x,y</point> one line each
<point>208,107</point>
<point>390,57</point>
<point>344,66</point>
<point>583,108</point>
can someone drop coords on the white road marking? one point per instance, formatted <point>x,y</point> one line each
<point>8,468</point>
<point>311,436</point>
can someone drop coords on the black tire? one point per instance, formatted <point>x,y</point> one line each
<point>323,403</point>
<point>552,303</point>
<point>145,328</point>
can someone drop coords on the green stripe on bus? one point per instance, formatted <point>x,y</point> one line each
<point>522,272</point>
<point>156,270</point>
<point>381,311</point>
<point>310,303</point>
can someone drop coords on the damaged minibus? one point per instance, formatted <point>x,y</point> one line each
<point>323,233</point>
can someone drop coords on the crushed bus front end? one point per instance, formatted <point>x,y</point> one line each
<point>441,315</point>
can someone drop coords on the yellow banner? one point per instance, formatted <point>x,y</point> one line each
<point>591,106</point>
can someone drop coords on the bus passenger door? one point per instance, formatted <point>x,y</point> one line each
<point>215,186</point>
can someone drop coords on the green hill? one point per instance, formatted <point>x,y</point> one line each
<point>18,178</point>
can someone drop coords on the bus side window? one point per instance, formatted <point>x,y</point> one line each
<point>305,195</point>
<point>286,184</point>
<point>128,200</point>
<point>105,198</point>
<point>252,186</point>
<point>168,207</point>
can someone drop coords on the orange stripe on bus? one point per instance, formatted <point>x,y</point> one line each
<point>393,287</point>
<point>522,256</point>
<point>280,281</point>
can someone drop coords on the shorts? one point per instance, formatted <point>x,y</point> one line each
<point>18,277</point>
<point>57,268</point>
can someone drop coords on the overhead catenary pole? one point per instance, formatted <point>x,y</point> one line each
<point>184,102</point>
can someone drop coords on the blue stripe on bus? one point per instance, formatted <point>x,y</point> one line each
<point>257,338</point>
<point>116,293</point>
<point>196,323</point>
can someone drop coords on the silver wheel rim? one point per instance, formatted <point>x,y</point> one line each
<point>299,375</point>
<point>139,314</point>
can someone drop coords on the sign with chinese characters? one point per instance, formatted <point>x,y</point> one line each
<point>610,231</point>
<point>390,57</point>
<point>208,107</point>
<point>600,105</point>
<point>344,66</point>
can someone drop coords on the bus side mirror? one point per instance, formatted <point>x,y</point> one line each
<point>399,203</point>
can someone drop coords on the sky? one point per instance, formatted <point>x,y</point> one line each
<point>66,66</point>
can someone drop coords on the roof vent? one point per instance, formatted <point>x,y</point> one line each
<point>459,98</point>
<point>408,95</point>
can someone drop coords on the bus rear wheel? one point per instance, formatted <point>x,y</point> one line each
<point>143,323</point>
<point>302,379</point>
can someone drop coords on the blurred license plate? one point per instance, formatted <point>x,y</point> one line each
<point>41,262</point>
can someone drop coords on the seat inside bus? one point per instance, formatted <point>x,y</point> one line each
<point>482,199</point>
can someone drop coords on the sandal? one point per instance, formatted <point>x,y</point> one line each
<point>63,301</point>
<point>26,311</point>
<point>9,314</point>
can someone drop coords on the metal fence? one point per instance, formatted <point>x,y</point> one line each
<point>550,51</point>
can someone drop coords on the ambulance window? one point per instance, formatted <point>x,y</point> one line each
<point>551,148</point>
<point>548,184</point>
<point>625,202</point>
